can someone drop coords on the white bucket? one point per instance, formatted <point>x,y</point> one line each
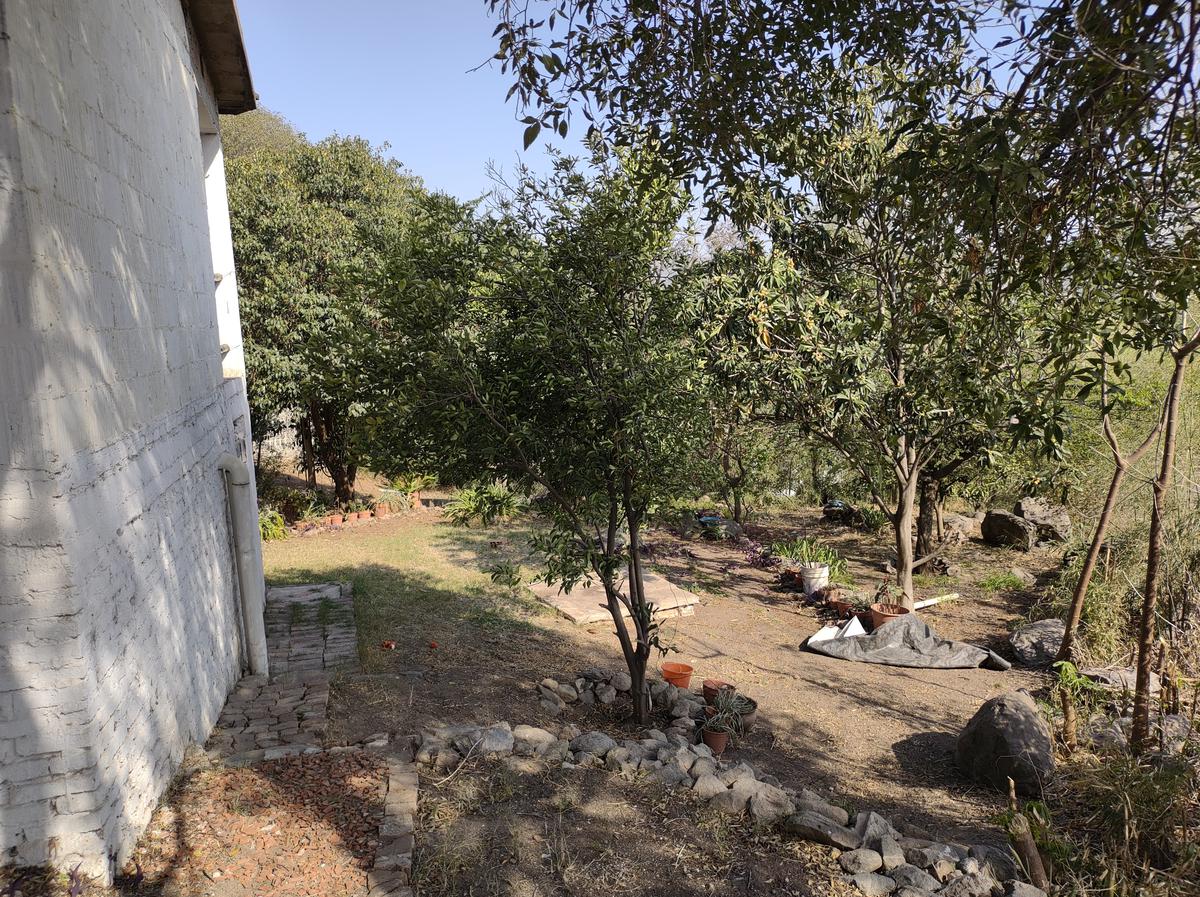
<point>814,578</point>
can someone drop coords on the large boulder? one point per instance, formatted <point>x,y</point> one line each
<point>1037,644</point>
<point>1052,521</point>
<point>1007,738</point>
<point>1005,530</point>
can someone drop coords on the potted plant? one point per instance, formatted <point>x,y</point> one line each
<point>813,563</point>
<point>887,605</point>
<point>861,608</point>
<point>712,687</point>
<point>746,710</point>
<point>718,729</point>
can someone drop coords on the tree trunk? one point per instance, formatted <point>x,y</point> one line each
<point>1140,734</point>
<point>928,490</point>
<point>641,615</point>
<point>306,453</point>
<point>738,512</point>
<point>1066,651</point>
<point>902,523</point>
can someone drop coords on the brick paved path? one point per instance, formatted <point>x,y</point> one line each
<point>310,632</point>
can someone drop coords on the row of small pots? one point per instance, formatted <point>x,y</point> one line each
<point>381,511</point>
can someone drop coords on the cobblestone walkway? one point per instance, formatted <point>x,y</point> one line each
<point>310,632</point>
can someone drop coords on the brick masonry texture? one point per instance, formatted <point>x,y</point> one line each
<point>310,633</point>
<point>119,620</point>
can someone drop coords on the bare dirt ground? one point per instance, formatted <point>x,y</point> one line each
<point>870,736</point>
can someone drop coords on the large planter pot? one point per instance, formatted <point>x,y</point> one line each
<point>334,519</point>
<point>717,741</point>
<point>364,515</point>
<point>678,674</point>
<point>383,509</point>
<point>814,578</point>
<point>713,687</point>
<point>750,716</point>
<point>883,613</point>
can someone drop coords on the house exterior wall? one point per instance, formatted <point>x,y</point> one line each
<point>120,631</point>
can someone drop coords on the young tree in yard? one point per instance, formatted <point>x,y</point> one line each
<point>566,372</point>
<point>312,225</point>
<point>1106,106</point>
<point>877,325</point>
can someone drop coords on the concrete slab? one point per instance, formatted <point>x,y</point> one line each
<point>587,604</point>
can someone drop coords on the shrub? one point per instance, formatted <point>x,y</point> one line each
<point>871,520</point>
<point>271,525</point>
<point>487,503</point>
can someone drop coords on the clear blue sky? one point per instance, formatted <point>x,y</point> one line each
<point>396,72</point>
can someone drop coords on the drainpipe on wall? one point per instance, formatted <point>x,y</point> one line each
<point>243,511</point>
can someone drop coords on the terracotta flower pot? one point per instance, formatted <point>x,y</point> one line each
<point>841,607</point>
<point>883,613</point>
<point>678,674</point>
<point>713,687</point>
<point>383,509</point>
<point>364,515</point>
<point>717,741</point>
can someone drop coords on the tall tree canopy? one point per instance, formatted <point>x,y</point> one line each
<point>312,226</point>
<point>565,371</point>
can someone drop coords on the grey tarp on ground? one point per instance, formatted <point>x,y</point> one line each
<point>909,642</point>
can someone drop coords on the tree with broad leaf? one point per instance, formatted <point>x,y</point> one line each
<point>565,370</point>
<point>874,322</point>
<point>312,224</point>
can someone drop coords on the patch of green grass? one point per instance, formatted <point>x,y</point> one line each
<point>1000,582</point>
<point>418,582</point>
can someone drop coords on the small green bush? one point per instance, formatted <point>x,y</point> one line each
<point>271,525</point>
<point>487,503</point>
<point>871,520</point>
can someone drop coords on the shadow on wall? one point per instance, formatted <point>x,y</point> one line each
<point>119,620</point>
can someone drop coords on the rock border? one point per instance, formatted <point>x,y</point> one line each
<point>875,856</point>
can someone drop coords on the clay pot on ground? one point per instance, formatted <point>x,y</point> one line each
<point>713,687</point>
<point>841,607</point>
<point>383,509</point>
<point>334,519</point>
<point>884,613</point>
<point>364,515</point>
<point>678,674</point>
<point>717,741</point>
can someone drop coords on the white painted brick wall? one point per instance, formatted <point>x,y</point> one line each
<point>119,632</point>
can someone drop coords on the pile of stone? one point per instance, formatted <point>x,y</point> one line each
<point>595,686</point>
<point>876,857</point>
<point>879,859</point>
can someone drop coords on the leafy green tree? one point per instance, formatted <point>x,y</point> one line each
<point>564,371</point>
<point>256,131</point>
<point>312,226</point>
<point>876,323</point>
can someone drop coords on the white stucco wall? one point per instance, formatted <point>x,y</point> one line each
<point>119,626</point>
